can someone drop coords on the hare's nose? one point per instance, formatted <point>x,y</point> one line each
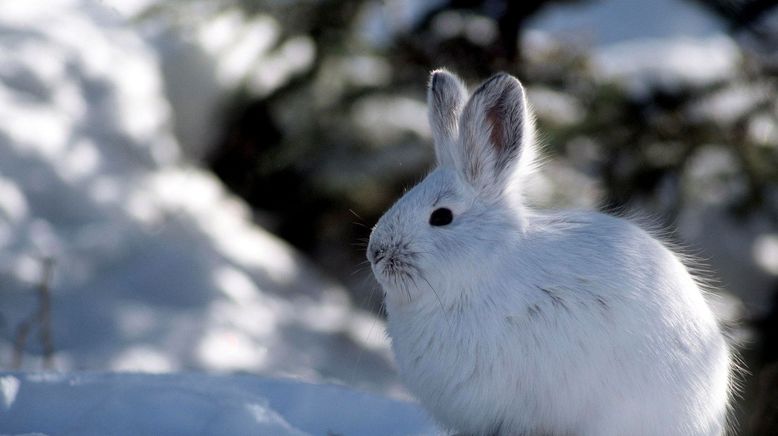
<point>375,253</point>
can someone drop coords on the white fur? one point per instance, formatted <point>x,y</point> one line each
<point>510,321</point>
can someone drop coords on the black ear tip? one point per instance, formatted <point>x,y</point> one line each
<point>501,80</point>
<point>506,78</point>
<point>434,79</point>
<point>437,76</point>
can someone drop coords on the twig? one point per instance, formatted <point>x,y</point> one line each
<point>42,317</point>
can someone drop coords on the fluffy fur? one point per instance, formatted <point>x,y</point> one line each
<point>510,321</point>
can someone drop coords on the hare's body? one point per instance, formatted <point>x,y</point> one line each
<point>562,350</point>
<point>505,321</point>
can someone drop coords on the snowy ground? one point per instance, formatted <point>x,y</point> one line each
<point>196,404</point>
<point>157,267</point>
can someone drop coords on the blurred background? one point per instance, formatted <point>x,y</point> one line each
<point>187,185</point>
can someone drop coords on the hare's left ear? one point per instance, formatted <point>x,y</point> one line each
<point>446,97</point>
<point>496,136</point>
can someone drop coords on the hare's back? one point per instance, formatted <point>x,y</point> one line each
<point>593,256</point>
<point>592,242</point>
<point>634,302</point>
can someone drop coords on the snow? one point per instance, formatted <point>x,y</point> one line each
<point>243,52</point>
<point>668,62</point>
<point>766,252</point>
<point>157,267</point>
<point>732,103</point>
<point>608,22</point>
<point>643,45</point>
<point>195,404</point>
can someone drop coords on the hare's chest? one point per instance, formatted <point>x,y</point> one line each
<point>455,367</point>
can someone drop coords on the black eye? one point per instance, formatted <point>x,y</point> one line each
<point>441,217</point>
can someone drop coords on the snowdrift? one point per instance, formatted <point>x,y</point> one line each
<point>156,267</point>
<point>191,404</point>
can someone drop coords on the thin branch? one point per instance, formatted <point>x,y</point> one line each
<point>42,317</point>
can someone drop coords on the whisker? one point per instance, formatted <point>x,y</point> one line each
<point>356,214</point>
<point>445,316</point>
<point>361,225</point>
<point>358,270</point>
<point>413,279</point>
<point>404,286</point>
<point>367,282</point>
<point>419,252</point>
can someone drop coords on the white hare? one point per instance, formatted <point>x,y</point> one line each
<point>505,320</point>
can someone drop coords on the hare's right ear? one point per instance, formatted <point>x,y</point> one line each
<point>446,97</point>
<point>496,136</point>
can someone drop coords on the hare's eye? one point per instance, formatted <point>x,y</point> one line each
<point>441,217</point>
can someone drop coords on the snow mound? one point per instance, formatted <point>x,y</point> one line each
<point>156,267</point>
<point>668,62</point>
<point>194,404</point>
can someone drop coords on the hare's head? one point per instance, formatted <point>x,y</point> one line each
<point>445,228</point>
